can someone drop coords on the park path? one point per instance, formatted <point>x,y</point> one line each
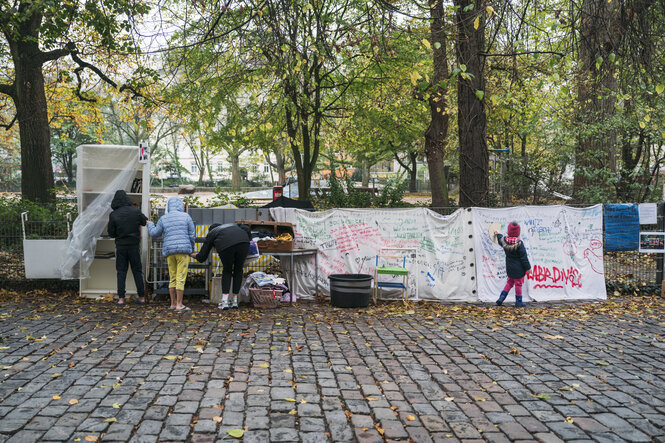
<point>80,370</point>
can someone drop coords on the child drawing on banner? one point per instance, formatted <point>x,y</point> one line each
<point>517,263</point>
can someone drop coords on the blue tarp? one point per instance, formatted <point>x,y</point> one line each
<point>622,227</point>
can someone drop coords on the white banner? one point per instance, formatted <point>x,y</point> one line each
<point>438,250</point>
<point>564,245</point>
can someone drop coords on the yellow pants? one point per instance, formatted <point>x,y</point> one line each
<point>178,265</point>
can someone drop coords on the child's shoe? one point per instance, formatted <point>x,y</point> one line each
<point>502,297</point>
<point>223,306</point>
<point>519,303</point>
<point>234,303</point>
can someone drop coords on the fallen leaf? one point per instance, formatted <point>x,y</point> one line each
<point>73,401</point>
<point>569,419</point>
<point>542,396</point>
<point>264,365</point>
<point>170,357</point>
<point>449,398</point>
<point>514,350</point>
<point>410,417</point>
<point>116,405</point>
<point>379,429</point>
<point>553,337</point>
<point>91,438</point>
<point>601,363</point>
<point>56,375</point>
<point>236,433</point>
<point>110,420</point>
<point>371,399</point>
<point>56,397</point>
<point>479,399</point>
<point>290,399</point>
<point>288,371</point>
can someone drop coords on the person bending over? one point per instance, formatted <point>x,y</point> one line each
<point>231,242</point>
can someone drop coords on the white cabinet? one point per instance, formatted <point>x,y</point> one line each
<point>101,171</point>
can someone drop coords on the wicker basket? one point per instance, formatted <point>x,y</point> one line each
<point>265,298</point>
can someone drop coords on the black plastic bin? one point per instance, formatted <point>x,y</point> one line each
<point>350,290</point>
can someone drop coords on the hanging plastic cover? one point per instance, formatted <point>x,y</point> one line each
<point>101,171</point>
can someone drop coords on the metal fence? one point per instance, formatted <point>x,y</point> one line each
<point>627,272</point>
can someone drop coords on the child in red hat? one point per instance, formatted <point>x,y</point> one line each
<point>517,263</point>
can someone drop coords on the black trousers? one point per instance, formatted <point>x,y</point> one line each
<point>129,256</point>
<point>233,258</point>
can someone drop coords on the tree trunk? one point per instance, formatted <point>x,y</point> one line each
<point>473,155</point>
<point>596,145</point>
<point>365,173</point>
<point>437,132</point>
<point>32,116</point>
<point>280,161</point>
<point>68,165</point>
<point>302,162</point>
<point>413,172</point>
<point>235,171</point>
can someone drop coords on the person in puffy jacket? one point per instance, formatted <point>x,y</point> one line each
<point>517,263</point>
<point>125,226</point>
<point>231,242</point>
<point>177,228</point>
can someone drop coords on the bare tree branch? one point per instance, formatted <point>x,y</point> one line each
<point>82,65</point>
<point>7,89</point>
<point>56,53</point>
<point>10,124</point>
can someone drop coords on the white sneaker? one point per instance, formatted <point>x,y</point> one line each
<point>234,304</point>
<point>223,306</point>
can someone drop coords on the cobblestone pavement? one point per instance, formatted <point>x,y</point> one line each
<point>78,370</point>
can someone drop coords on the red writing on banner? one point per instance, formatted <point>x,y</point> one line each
<point>555,277</point>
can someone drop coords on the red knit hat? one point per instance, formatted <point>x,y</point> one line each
<point>513,229</point>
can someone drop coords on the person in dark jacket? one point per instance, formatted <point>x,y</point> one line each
<point>125,226</point>
<point>231,242</point>
<point>517,263</point>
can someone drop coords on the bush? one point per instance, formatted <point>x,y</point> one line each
<point>347,196</point>
<point>11,208</point>
<point>222,198</point>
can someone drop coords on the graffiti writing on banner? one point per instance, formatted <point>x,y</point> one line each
<point>555,277</point>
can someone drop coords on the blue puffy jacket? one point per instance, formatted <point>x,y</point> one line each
<point>177,227</point>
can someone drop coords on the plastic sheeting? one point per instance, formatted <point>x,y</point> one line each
<point>93,217</point>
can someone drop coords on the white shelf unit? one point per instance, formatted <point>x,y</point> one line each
<point>98,167</point>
